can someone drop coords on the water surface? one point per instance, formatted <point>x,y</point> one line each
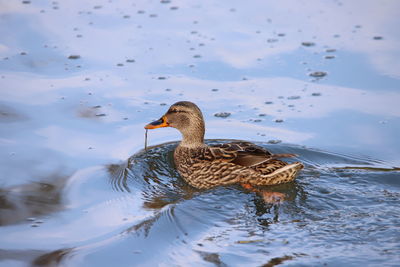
<point>78,81</point>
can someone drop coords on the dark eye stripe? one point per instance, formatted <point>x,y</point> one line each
<point>176,111</point>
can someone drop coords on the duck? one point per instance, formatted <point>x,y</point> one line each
<point>206,166</point>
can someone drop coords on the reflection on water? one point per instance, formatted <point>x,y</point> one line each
<point>79,80</point>
<point>29,201</point>
<point>154,174</point>
<point>52,258</point>
<point>35,257</point>
<point>8,114</point>
<point>131,209</point>
<point>324,205</point>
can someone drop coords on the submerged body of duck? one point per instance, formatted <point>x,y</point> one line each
<point>204,166</point>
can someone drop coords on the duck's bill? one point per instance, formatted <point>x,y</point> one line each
<point>157,124</point>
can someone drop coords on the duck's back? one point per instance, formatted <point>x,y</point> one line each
<point>202,170</point>
<point>230,163</point>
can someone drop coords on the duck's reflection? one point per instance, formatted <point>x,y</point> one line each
<point>267,213</point>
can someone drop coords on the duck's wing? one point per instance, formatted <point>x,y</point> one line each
<point>244,154</point>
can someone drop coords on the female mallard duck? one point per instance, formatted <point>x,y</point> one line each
<point>204,166</point>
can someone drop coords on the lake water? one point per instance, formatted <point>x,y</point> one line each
<point>80,79</point>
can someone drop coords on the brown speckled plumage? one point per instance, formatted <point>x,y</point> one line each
<point>204,166</point>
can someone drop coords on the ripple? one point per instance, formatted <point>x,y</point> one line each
<point>318,74</point>
<point>338,201</point>
<point>222,114</point>
<point>74,57</point>
<point>308,44</point>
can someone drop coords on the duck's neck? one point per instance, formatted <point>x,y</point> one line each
<point>193,137</point>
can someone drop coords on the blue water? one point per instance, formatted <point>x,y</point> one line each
<point>77,189</point>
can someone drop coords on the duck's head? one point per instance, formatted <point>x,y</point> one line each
<point>187,118</point>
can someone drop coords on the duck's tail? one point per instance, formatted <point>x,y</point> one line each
<point>282,175</point>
